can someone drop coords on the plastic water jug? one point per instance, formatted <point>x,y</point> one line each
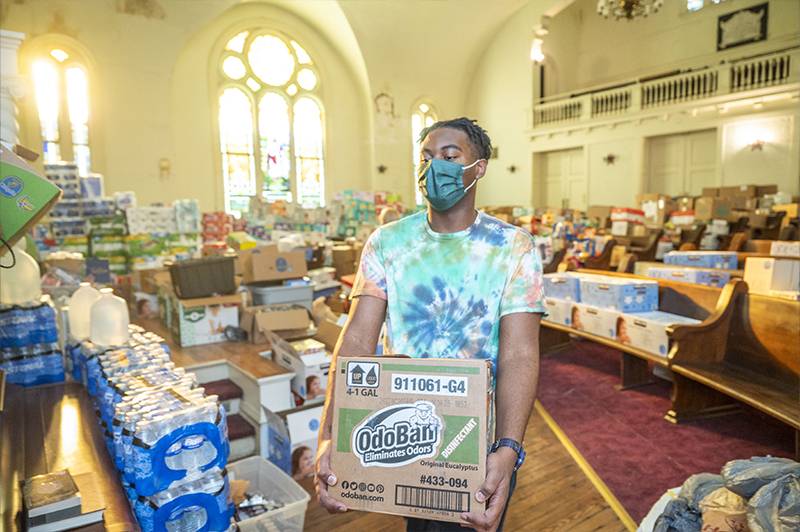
<point>80,310</point>
<point>22,283</point>
<point>109,320</point>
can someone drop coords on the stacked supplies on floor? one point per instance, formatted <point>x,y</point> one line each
<point>761,494</point>
<point>616,308</point>
<point>168,439</point>
<point>29,349</point>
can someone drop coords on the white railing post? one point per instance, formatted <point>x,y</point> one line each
<point>586,107</point>
<point>723,79</point>
<point>636,98</point>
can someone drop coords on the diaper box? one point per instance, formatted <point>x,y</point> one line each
<point>648,330</point>
<point>559,310</point>
<point>594,320</point>
<point>625,295</point>
<point>709,277</point>
<point>410,436</point>
<point>562,286</point>
<point>703,259</point>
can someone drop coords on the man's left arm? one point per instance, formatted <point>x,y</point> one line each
<point>517,379</point>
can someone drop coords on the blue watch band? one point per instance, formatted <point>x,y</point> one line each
<point>514,445</point>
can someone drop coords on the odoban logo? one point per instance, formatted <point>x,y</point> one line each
<point>11,186</point>
<point>398,435</point>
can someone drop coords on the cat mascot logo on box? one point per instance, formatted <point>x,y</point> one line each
<point>398,435</point>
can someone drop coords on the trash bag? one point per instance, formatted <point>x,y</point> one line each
<point>724,511</point>
<point>678,517</point>
<point>776,506</point>
<point>746,477</point>
<point>698,487</point>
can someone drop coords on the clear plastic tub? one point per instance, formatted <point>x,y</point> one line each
<point>266,479</point>
<point>274,295</point>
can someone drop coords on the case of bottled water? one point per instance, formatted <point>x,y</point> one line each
<point>29,349</point>
<point>202,504</point>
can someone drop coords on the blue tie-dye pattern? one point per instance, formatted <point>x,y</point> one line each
<point>445,292</point>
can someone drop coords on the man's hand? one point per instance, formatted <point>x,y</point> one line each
<point>499,468</point>
<point>325,478</point>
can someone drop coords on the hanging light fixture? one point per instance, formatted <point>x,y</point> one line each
<point>539,31</point>
<point>627,8</point>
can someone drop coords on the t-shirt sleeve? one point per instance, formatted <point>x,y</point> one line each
<point>371,274</point>
<point>524,291</point>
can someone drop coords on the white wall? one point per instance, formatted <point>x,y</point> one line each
<point>151,96</point>
<point>589,50</point>
<point>500,97</point>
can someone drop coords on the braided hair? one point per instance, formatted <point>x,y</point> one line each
<point>479,140</point>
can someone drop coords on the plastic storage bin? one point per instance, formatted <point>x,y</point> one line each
<point>268,480</point>
<point>273,295</point>
<point>203,277</point>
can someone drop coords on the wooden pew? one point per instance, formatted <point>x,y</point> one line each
<point>746,351</point>
<point>692,301</point>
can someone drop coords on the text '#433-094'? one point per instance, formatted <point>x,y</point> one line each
<point>429,385</point>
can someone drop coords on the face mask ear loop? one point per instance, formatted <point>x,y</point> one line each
<point>474,180</point>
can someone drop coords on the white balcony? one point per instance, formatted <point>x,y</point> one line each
<point>719,85</point>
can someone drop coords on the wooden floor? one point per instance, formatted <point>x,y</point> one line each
<point>553,494</point>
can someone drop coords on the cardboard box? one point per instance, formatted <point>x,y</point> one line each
<point>25,197</point>
<point>624,214</point>
<point>617,252</point>
<point>785,249</point>
<point>626,295</point>
<point>303,426</point>
<point>745,191</point>
<point>344,260</point>
<point>146,305</point>
<point>656,208</point>
<point>268,264</point>
<point>594,320</point>
<point>705,277</point>
<point>203,320</point>
<point>682,218</point>
<point>621,228</point>
<point>311,370</point>
<point>562,286</point>
<point>599,214</point>
<point>685,203</point>
<point>708,208</point>
<point>285,317</point>
<point>711,192</point>
<point>648,330</point>
<point>559,310</point>
<point>723,260</point>
<point>276,446</point>
<point>766,274</point>
<point>410,436</point>
<point>150,279</point>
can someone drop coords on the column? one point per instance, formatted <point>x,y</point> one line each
<point>12,85</point>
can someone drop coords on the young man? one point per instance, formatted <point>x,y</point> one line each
<point>451,282</point>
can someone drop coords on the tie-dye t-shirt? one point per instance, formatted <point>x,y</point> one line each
<point>446,293</point>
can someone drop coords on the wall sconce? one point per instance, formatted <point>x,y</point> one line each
<point>609,159</point>
<point>536,50</point>
<point>757,144</point>
<point>512,168</point>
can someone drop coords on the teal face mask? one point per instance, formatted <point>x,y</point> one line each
<point>442,182</point>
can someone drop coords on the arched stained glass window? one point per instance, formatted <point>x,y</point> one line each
<point>62,99</point>
<point>422,116</point>
<point>276,107</point>
<point>236,139</point>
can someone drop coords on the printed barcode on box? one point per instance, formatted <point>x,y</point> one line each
<point>432,499</point>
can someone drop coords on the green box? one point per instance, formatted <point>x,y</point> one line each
<point>25,197</point>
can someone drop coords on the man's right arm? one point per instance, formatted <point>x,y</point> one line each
<point>359,338</point>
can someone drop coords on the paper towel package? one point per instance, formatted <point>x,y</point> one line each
<point>410,436</point>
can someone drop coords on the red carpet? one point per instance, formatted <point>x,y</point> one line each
<point>625,438</point>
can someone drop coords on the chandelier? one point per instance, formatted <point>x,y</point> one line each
<point>627,8</point>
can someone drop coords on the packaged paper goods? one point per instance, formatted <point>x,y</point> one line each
<point>764,275</point>
<point>648,330</point>
<point>709,277</point>
<point>558,311</point>
<point>562,286</point>
<point>724,260</point>
<point>625,295</point>
<point>594,320</point>
<point>410,435</point>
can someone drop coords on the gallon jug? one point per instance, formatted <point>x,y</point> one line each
<point>109,320</point>
<point>80,310</point>
<point>22,283</point>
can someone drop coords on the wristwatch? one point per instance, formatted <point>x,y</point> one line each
<point>513,445</point>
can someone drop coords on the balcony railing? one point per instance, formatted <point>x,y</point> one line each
<point>768,70</point>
